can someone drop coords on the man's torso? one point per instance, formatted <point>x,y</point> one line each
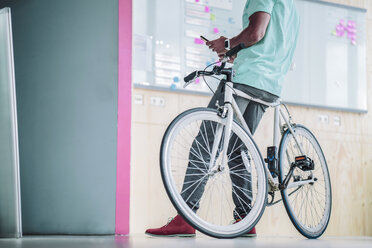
<point>264,64</point>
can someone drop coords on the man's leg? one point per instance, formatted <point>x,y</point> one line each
<point>240,177</point>
<point>196,179</point>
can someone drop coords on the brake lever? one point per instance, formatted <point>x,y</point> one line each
<point>192,80</point>
<point>188,83</point>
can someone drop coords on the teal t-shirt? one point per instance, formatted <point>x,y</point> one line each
<point>265,64</point>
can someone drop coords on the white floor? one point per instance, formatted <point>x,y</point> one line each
<point>200,241</point>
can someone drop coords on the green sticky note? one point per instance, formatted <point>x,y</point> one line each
<point>213,17</point>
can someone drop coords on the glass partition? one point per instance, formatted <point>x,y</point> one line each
<point>10,214</point>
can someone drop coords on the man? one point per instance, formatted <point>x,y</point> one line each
<point>270,29</point>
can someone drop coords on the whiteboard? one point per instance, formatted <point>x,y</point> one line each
<point>329,65</point>
<point>167,44</point>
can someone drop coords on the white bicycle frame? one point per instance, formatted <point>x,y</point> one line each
<point>229,108</point>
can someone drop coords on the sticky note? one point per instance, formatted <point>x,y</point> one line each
<point>213,17</point>
<point>215,30</point>
<point>176,79</point>
<point>173,87</point>
<point>206,9</point>
<point>231,20</point>
<point>198,41</point>
<point>197,80</point>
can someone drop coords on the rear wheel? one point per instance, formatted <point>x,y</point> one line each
<point>308,205</point>
<point>212,196</point>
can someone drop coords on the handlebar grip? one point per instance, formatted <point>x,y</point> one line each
<point>235,50</point>
<point>190,77</point>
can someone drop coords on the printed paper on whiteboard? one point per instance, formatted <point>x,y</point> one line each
<point>222,4</point>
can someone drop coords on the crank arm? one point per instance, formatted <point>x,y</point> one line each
<point>300,183</point>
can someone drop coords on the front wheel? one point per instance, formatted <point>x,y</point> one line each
<point>308,204</point>
<point>220,200</point>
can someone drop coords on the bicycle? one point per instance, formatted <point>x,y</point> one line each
<point>200,145</point>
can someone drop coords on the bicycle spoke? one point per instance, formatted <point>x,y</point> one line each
<point>207,139</point>
<point>249,181</point>
<point>193,183</point>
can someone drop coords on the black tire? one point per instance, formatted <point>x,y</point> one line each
<point>175,200</point>
<point>307,231</point>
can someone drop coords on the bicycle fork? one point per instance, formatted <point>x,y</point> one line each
<point>227,114</point>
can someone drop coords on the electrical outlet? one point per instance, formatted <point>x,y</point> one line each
<point>323,119</point>
<point>157,101</point>
<point>337,121</point>
<point>138,99</point>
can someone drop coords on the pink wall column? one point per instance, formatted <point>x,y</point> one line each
<point>124,117</point>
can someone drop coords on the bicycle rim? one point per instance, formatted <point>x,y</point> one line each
<point>186,171</point>
<point>309,205</point>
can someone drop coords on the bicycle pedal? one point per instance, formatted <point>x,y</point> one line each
<point>304,163</point>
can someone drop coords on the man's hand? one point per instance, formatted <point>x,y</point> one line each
<point>255,31</point>
<point>218,46</point>
<point>232,58</point>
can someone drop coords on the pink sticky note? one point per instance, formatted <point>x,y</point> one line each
<point>340,30</point>
<point>197,80</point>
<point>340,33</point>
<point>215,30</point>
<point>206,9</point>
<point>198,41</point>
<point>351,23</point>
<point>351,36</point>
<point>197,1</point>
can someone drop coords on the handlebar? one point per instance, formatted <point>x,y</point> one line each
<point>191,76</point>
<point>234,50</point>
<point>196,74</point>
<point>216,69</point>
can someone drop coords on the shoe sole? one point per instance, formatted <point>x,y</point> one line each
<point>249,236</point>
<point>172,235</point>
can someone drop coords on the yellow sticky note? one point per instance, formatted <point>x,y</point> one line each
<point>213,17</point>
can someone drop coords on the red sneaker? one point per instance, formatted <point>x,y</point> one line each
<point>251,234</point>
<point>176,227</point>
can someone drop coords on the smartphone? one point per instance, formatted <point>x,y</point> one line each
<point>203,38</point>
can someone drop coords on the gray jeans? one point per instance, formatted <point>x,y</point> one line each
<point>194,185</point>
